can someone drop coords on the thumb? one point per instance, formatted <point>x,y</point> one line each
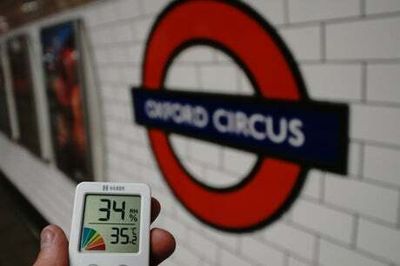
<point>53,247</point>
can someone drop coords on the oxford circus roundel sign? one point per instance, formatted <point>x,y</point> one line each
<point>275,181</point>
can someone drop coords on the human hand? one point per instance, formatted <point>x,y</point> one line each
<point>54,243</point>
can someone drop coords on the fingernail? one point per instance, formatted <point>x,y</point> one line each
<point>46,238</point>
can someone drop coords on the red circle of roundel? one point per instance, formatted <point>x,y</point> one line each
<point>270,188</point>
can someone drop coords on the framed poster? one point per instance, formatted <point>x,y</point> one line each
<point>18,51</point>
<point>5,125</point>
<point>64,79</point>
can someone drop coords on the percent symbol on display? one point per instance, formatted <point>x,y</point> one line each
<point>133,215</point>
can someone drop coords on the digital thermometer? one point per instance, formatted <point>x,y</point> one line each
<point>110,225</point>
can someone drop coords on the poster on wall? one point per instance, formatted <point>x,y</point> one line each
<point>5,126</point>
<point>66,99</point>
<point>23,91</point>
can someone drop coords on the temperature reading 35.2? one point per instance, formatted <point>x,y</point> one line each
<point>111,223</point>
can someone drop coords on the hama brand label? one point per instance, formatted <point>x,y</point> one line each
<point>289,132</point>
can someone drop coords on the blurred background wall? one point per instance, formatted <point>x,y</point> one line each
<point>348,52</point>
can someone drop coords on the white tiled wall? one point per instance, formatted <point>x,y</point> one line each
<point>348,51</point>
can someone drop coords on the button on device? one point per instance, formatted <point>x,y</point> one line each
<point>93,265</point>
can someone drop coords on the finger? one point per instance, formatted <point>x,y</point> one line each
<point>162,245</point>
<point>53,247</point>
<point>155,209</point>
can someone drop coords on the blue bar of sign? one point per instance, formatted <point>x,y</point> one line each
<point>314,134</point>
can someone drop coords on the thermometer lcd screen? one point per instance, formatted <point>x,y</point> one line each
<point>111,223</point>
